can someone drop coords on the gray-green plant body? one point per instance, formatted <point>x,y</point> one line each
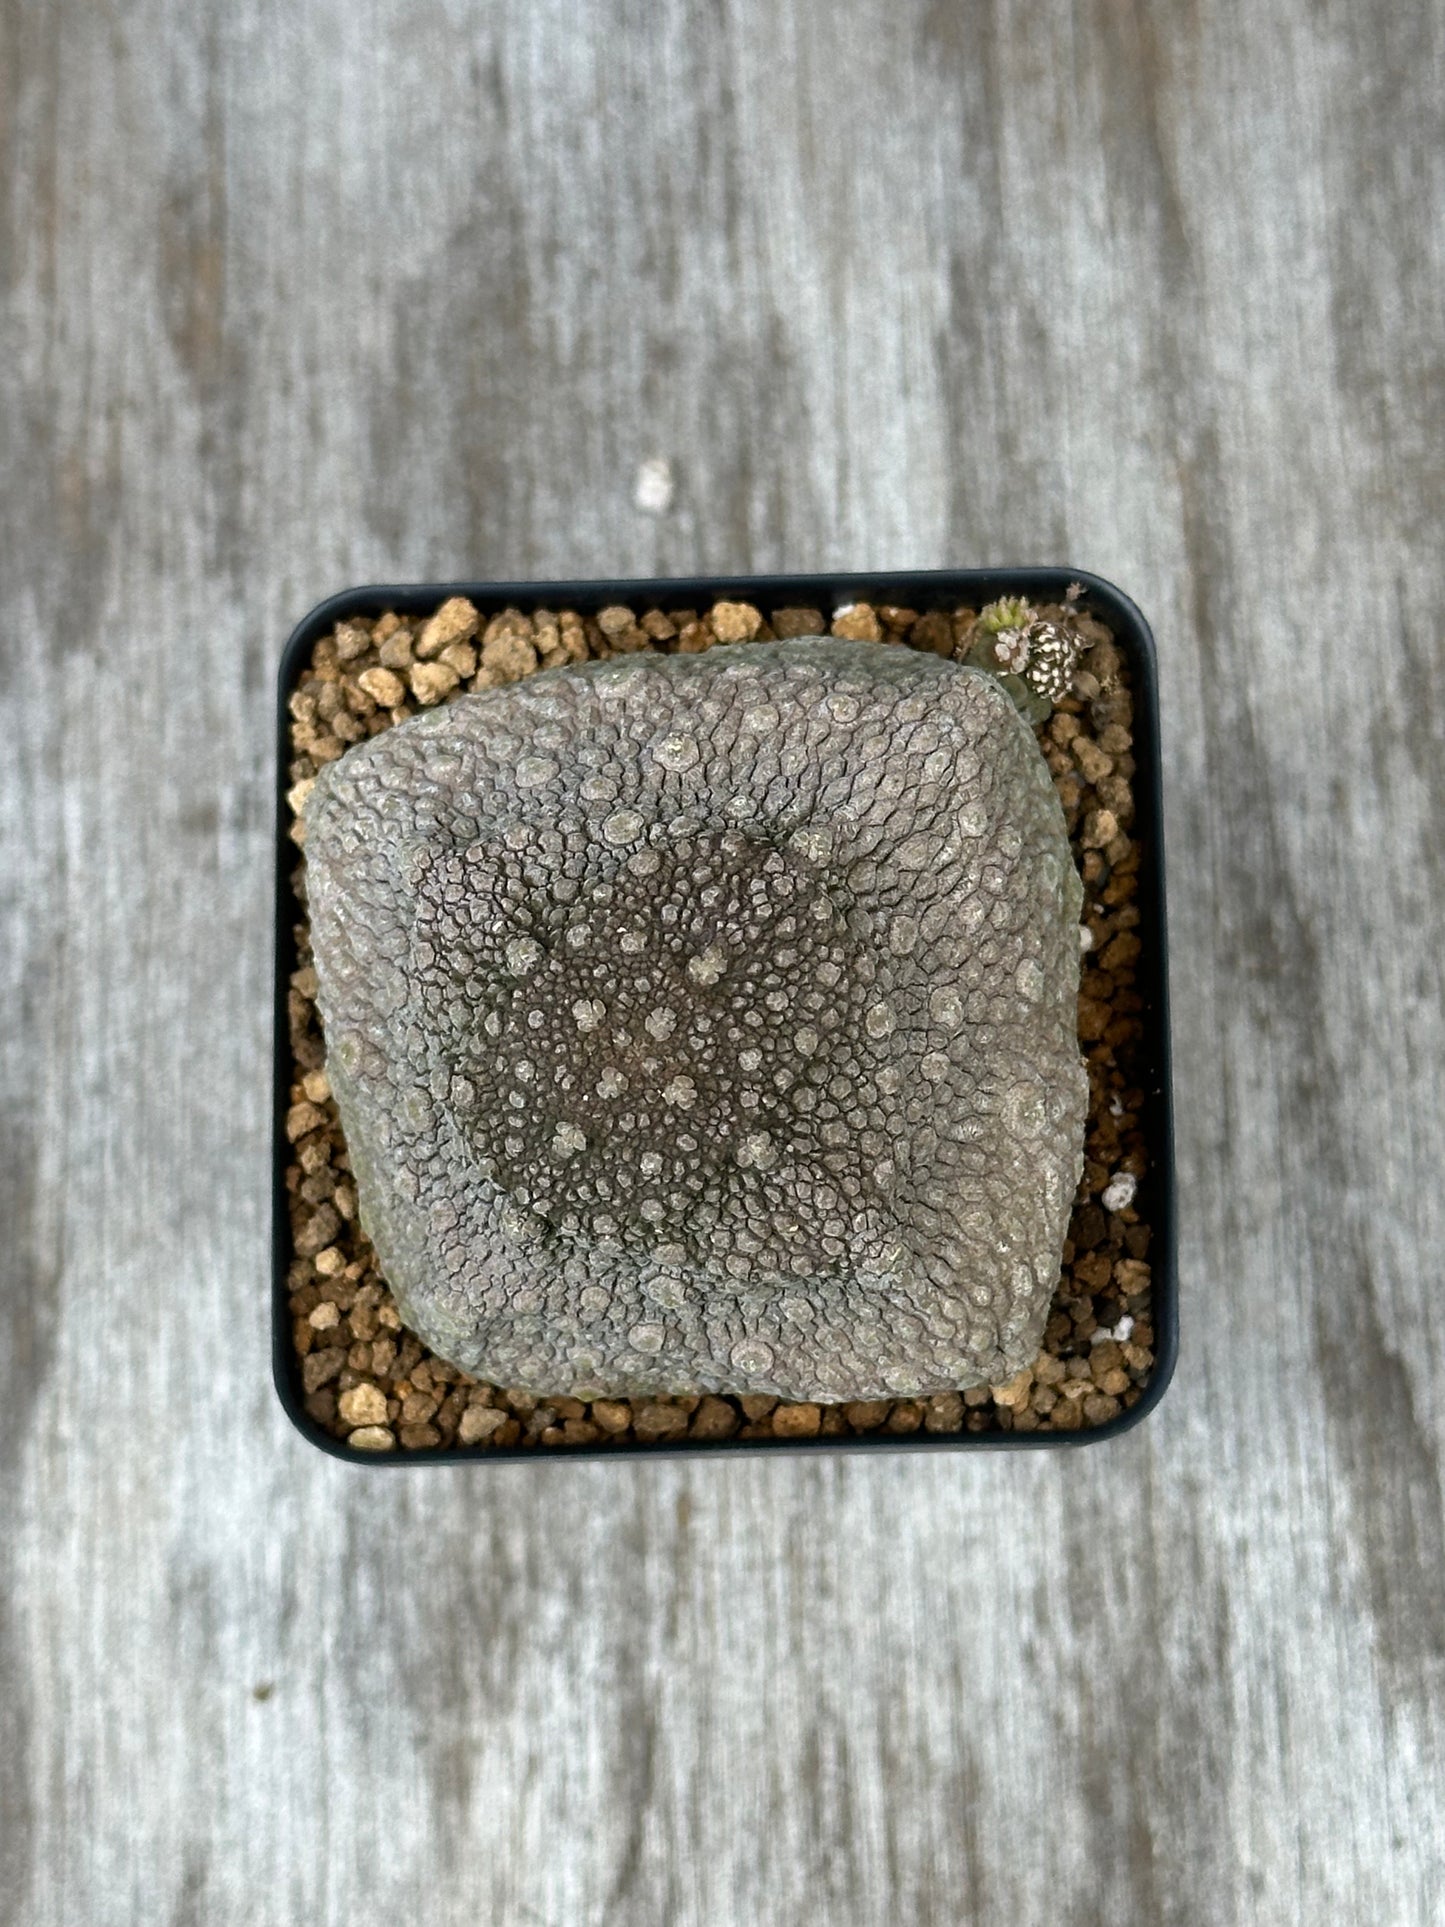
<point>707,1023</point>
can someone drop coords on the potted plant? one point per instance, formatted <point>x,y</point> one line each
<point>1078,659</point>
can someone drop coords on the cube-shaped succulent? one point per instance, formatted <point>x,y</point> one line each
<point>707,1023</point>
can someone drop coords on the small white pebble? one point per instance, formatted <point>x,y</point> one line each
<point>1118,1194</point>
<point>654,487</point>
<point>1119,1334</point>
<point>1086,938</point>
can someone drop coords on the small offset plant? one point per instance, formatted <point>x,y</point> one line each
<point>1032,657</point>
<point>707,1023</point>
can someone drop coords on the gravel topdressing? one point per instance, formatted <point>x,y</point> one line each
<point>367,1380</point>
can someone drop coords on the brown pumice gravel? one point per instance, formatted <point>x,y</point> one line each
<point>369,1381</point>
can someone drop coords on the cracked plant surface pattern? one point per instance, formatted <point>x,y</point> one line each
<point>707,1023</point>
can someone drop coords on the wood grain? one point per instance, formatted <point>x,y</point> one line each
<point>295,295</point>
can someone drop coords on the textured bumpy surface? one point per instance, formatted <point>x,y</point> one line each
<point>708,1023</point>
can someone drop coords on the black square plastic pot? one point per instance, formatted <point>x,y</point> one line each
<point>943,589</point>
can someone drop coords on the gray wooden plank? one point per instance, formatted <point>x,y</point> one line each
<point>298,295</point>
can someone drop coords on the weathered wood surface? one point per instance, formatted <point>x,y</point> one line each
<point>303,292</point>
